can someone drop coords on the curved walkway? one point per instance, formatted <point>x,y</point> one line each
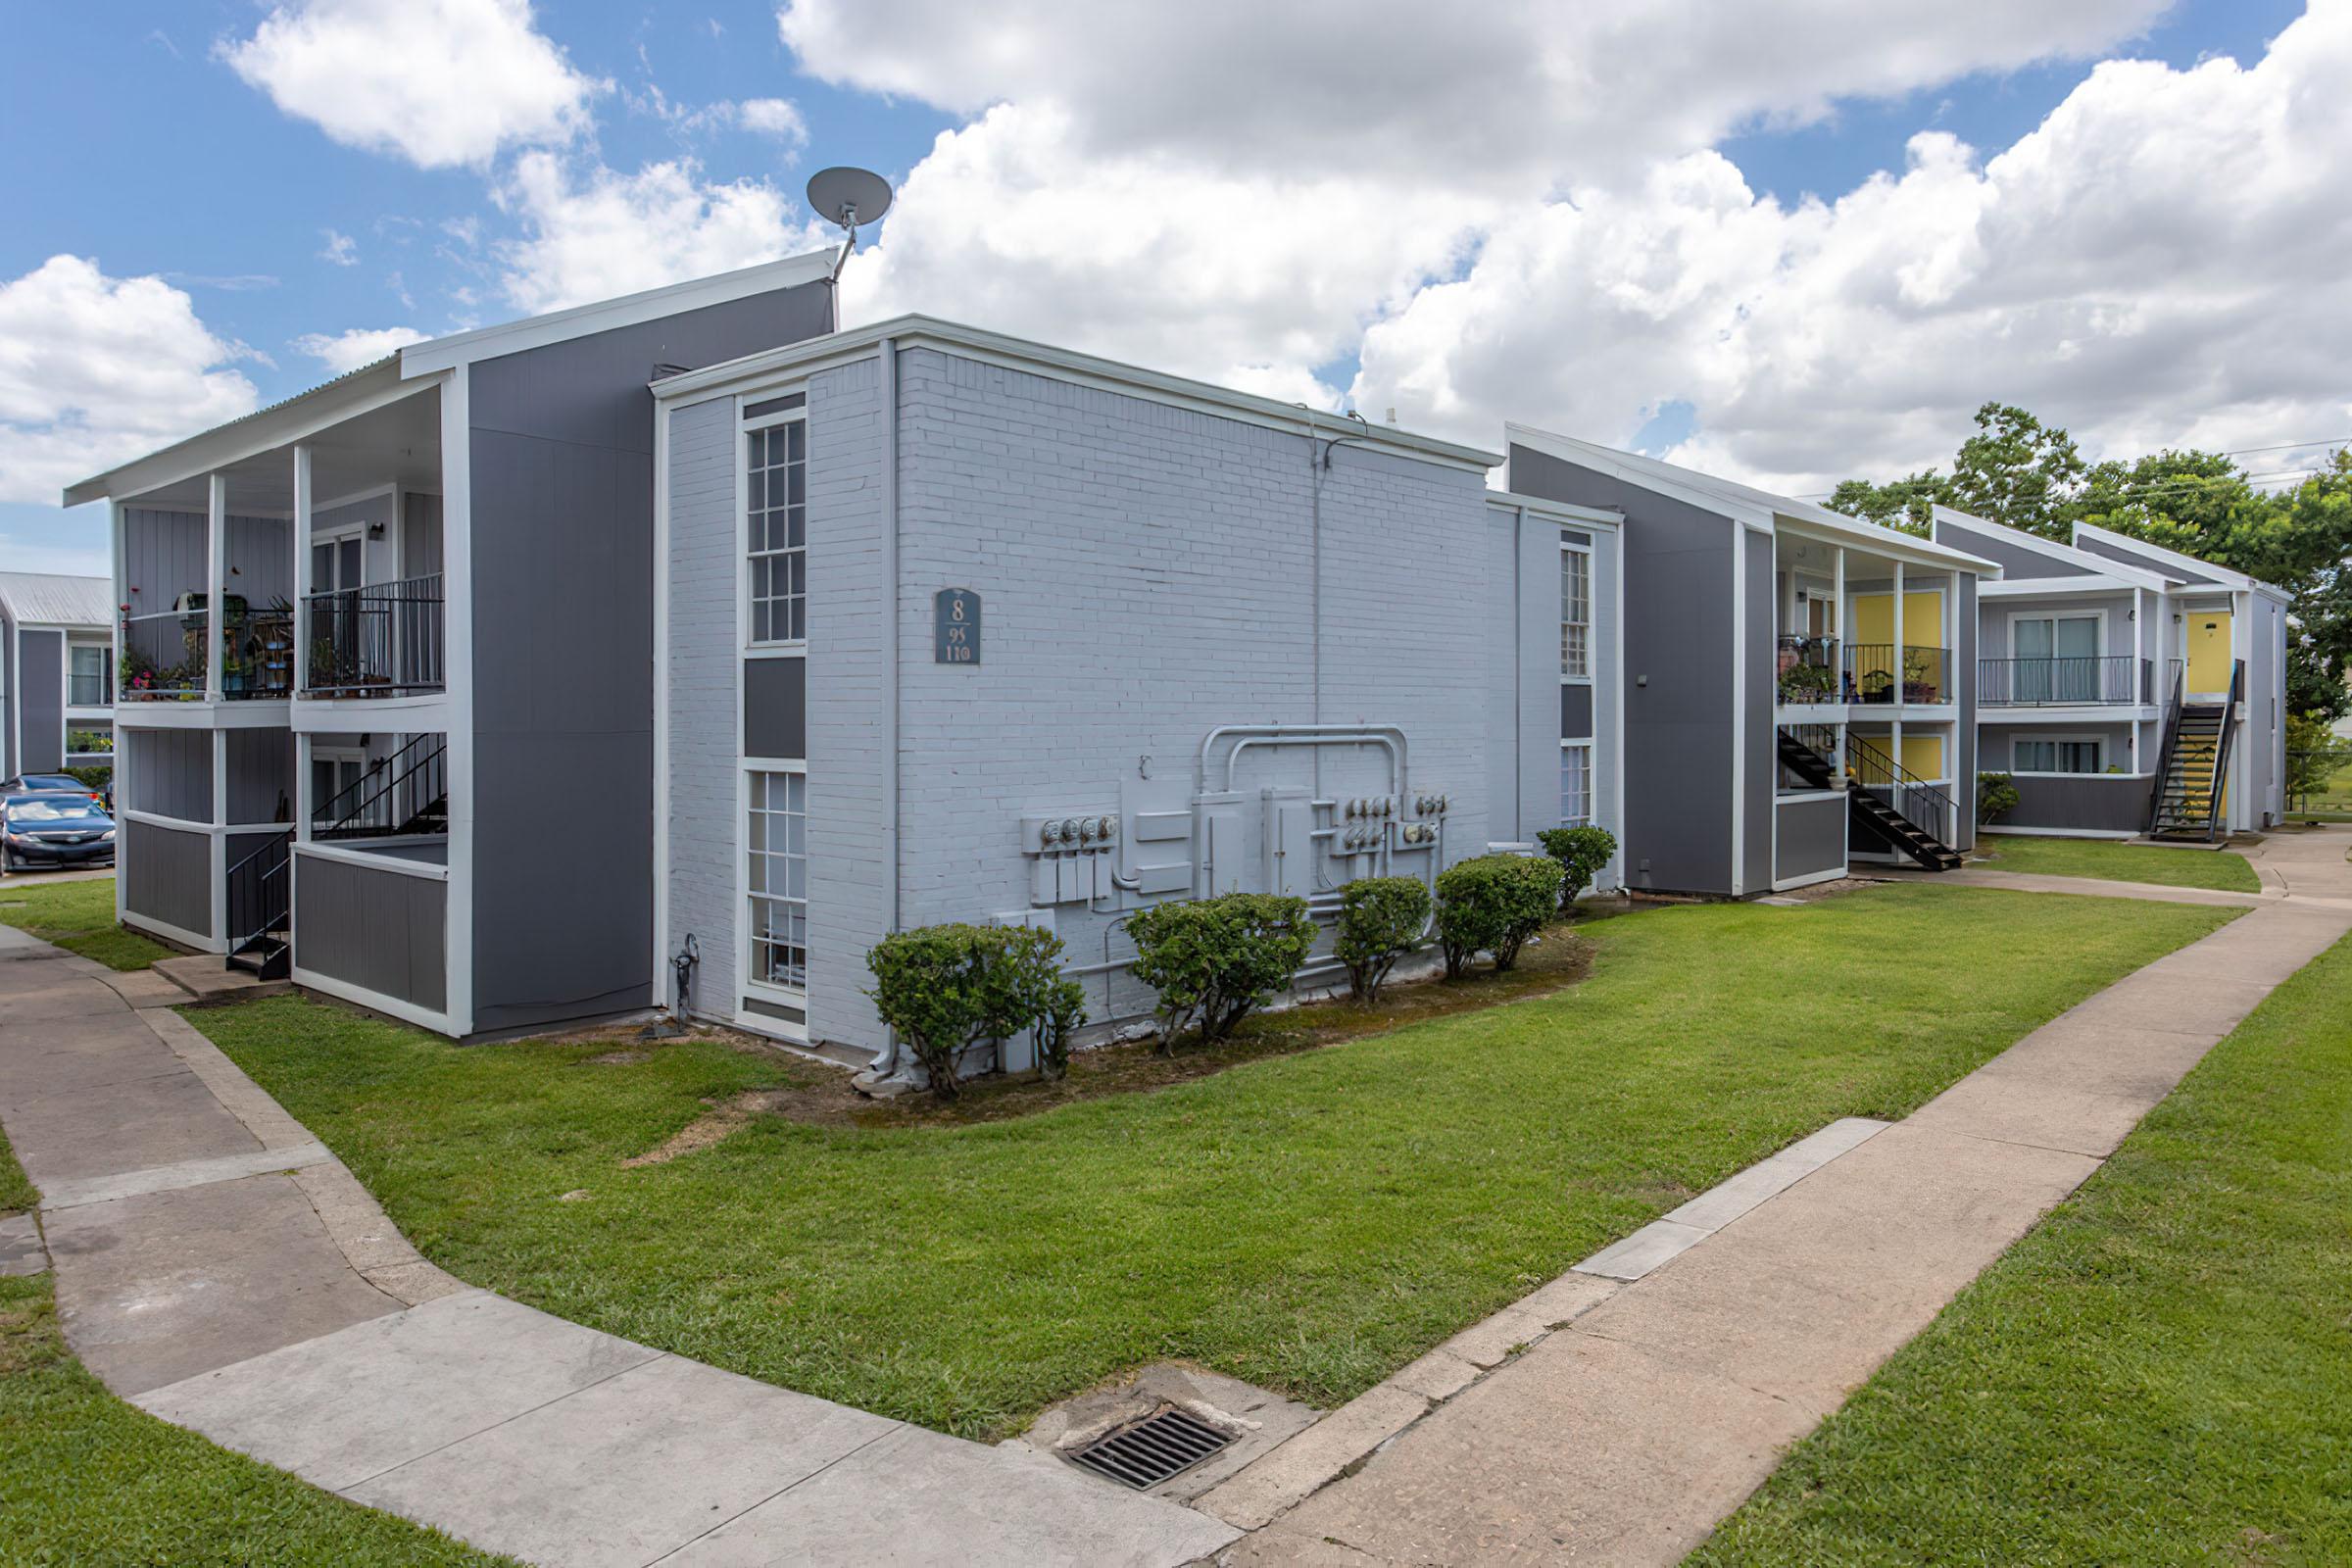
<point>1618,1414</point>
<point>223,1270</point>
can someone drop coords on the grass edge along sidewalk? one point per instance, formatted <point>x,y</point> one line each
<point>1309,1223</point>
<point>2156,1374</point>
<point>79,916</point>
<point>2223,870</point>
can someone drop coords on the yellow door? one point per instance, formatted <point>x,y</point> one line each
<point>1923,755</point>
<point>2209,661</point>
<point>1923,618</point>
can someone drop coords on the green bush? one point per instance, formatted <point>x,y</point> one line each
<point>1380,920</point>
<point>1581,852</point>
<point>1997,796</point>
<point>1213,960</point>
<point>947,988</point>
<point>96,777</point>
<point>1493,905</point>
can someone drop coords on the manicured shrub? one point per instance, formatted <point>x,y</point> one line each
<point>1213,960</point>
<point>1380,920</point>
<point>1581,852</point>
<point>947,988</point>
<point>1997,796</point>
<point>1493,905</point>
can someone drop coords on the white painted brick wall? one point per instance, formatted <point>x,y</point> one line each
<point>703,667</point>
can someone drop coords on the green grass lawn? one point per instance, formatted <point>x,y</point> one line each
<point>2110,861</point>
<point>17,1193</point>
<point>79,916</point>
<point>85,1478</point>
<point>1309,1222</point>
<point>2159,1373</point>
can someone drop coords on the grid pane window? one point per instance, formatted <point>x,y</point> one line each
<point>1575,783</point>
<point>778,845</point>
<point>1575,614</point>
<point>777,482</point>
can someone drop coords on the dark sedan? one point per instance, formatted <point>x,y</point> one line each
<point>54,831</point>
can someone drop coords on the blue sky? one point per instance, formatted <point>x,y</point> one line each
<point>154,158</point>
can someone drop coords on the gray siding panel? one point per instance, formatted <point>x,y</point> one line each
<point>1811,838</point>
<point>380,930</point>
<point>261,776</point>
<point>1576,711</point>
<point>1677,680</point>
<point>2090,803</point>
<point>705,665</point>
<point>562,624</point>
<point>168,875</point>
<point>170,772</point>
<point>775,708</point>
<point>2132,558</point>
<point>162,557</point>
<point>261,560</point>
<point>420,535</point>
<point>1964,656</point>
<point>2015,560</point>
<point>1762,773</point>
<point>40,692</point>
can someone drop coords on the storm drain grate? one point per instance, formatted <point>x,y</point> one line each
<point>1152,1449</point>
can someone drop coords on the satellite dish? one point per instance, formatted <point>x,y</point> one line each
<point>849,196</point>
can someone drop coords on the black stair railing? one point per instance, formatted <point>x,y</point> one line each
<point>1925,807</point>
<point>399,795</point>
<point>260,888</point>
<point>2165,751</point>
<point>2221,751</point>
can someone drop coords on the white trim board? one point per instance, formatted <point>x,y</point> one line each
<point>373,1001</point>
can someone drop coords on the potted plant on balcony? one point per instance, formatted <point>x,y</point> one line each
<point>1807,683</point>
<point>1919,678</point>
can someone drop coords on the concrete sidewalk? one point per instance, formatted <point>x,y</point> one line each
<point>219,1266</point>
<point>1621,1412</point>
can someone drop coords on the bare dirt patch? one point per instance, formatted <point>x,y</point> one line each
<point>722,1119</point>
<point>1830,890</point>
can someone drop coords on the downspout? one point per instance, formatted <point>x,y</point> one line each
<point>886,1061</point>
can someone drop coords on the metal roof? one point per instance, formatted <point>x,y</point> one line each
<point>47,599</point>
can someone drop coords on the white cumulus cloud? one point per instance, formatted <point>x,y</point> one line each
<point>440,82</point>
<point>95,371</point>
<point>362,345</point>
<point>591,233</point>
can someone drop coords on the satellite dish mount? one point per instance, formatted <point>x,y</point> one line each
<point>848,197</point>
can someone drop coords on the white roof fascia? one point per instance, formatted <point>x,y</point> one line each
<point>306,414</point>
<point>1758,509</point>
<point>2217,576</point>
<point>603,316</point>
<point>2105,584</point>
<point>793,360</point>
<point>1562,512</point>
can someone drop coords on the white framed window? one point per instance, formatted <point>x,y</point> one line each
<point>1575,783</point>
<point>2058,755</point>
<point>1575,614</point>
<point>775,472</point>
<point>776,877</point>
<point>89,680</point>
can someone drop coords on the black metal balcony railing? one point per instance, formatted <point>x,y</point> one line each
<point>382,640</point>
<point>1873,674</point>
<point>1807,669</point>
<point>2079,680</point>
<point>257,655</point>
<point>164,655</point>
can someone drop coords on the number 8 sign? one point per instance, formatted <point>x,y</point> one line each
<point>955,626</point>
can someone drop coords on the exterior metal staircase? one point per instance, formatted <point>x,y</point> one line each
<point>1911,814</point>
<point>2194,773</point>
<point>261,938</point>
<point>408,793</point>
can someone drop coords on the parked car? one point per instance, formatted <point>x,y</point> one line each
<point>55,830</point>
<point>61,783</point>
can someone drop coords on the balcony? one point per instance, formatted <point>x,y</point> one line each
<point>382,640</point>
<point>164,655</point>
<point>1808,671</point>
<point>2108,680</point>
<point>1871,679</point>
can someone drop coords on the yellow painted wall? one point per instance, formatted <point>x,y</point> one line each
<point>1923,618</point>
<point>2209,661</point>
<point>1922,757</point>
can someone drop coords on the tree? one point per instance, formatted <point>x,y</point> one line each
<point>2015,471</point>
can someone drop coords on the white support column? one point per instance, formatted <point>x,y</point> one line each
<point>457,548</point>
<point>302,567</point>
<point>1837,630</point>
<point>221,820</point>
<point>1899,695</point>
<point>215,573</point>
<point>113,678</point>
